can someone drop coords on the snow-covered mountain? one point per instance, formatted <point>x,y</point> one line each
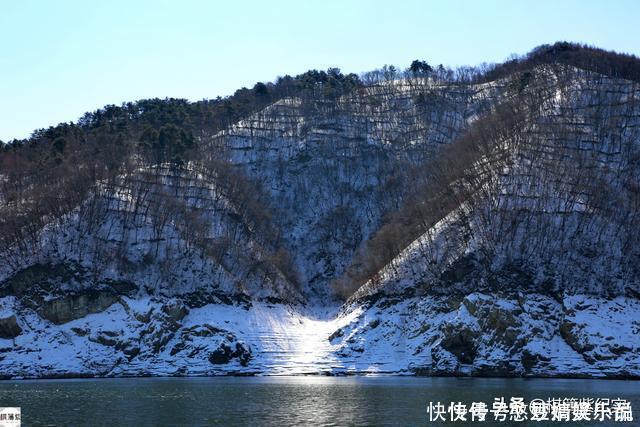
<point>514,251</point>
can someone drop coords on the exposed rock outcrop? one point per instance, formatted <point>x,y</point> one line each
<point>66,308</point>
<point>9,327</point>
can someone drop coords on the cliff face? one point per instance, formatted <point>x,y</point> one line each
<point>531,269</point>
<point>333,169</point>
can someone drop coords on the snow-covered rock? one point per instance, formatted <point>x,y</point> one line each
<point>160,272</point>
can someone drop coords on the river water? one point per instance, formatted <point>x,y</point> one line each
<point>284,401</point>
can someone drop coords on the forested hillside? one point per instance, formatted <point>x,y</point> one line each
<point>447,212</point>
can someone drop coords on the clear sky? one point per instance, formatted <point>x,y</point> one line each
<point>61,58</point>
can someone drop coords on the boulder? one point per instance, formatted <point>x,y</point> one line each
<point>243,353</point>
<point>226,352</point>
<point>221,355</point>
<point>9,327</point>
<point>175,309</point>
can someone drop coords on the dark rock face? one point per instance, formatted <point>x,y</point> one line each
<point>460,342</point>
<point>225,354</point>
<point>59,292</point>
<point>9,327</point>
<point>459,270</point>
<point>64,309</point>
<point>38,278</point>
<point>222,355</point>
<point>243,353</point>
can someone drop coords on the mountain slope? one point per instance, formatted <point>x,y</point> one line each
<point>551,197</point>
<point>478,226</point>
<point>535,272</point>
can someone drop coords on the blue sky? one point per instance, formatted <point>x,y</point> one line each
<point>59,59</point>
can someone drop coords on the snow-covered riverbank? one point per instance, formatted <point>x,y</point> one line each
<point>477,335</point>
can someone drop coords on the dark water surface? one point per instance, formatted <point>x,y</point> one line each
<point>283,401</point>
